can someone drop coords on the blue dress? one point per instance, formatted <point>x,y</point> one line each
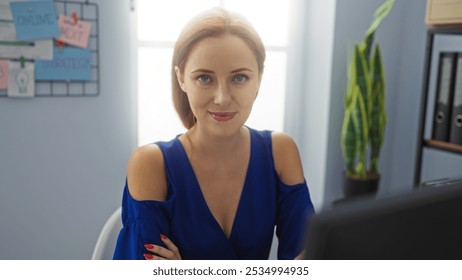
<point>265,203</point>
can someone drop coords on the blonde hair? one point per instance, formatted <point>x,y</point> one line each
<point>211,23</point>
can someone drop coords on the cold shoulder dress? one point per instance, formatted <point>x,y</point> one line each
<point>266,204</point>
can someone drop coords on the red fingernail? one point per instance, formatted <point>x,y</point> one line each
<point>148,246</point>
<point>148,256</point>
<point>163,237</point>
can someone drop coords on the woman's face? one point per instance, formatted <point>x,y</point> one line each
<point>221,79</point>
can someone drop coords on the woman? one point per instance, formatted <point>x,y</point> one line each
<point>218,190</point>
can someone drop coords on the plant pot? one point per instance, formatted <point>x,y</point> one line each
<point>353,187</point>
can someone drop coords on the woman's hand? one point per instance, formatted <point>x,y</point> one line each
<point>301,256</point>
<point>161,253</point>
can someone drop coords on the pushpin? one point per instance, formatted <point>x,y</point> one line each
<point>60,45</point>
<point>75,18</point>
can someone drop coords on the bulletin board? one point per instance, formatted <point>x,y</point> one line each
<point>69,88</point>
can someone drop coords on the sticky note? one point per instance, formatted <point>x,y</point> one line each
<point>76,34</point>
<point>68,64</point>
<point>21,79</point>
<point>5,12</point>
<point>3,74</point>
<point>35,20</point>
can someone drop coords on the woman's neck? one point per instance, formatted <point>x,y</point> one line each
<point>207,145</point>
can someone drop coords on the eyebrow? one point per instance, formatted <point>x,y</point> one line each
<point>241,70</point>
<point>202,71</point>
<point>210,71</point>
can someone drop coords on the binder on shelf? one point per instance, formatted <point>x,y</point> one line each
<point>444,96</point>
<point>455,135</point>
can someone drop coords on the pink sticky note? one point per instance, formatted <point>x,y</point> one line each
<point>74,34</point>
<point>3,74</point>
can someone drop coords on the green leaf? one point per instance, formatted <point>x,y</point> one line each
<point>378,116</point>
<point>363,80</point>
<point>379,14</point>
<point>352,78</point>
<point>360,124</point>
<point>348,140</point>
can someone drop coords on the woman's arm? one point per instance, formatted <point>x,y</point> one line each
<point>146,174</point>
<point>147,181</point>
<point>296,205</point>
<point>287,159</point>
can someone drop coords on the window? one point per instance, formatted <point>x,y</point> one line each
<point>158,25</point>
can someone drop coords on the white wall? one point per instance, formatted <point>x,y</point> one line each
<point>62,159</point>
<point>308,89</point>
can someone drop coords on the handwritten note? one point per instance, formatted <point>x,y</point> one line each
<point>67,64</point>
<point>34,20</point>
<point>21,79</point>
<point>3,74</point>
<point>74,33</point>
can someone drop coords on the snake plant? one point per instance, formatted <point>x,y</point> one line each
<point>363,129</point>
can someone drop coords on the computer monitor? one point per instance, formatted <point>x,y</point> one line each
<point>422,224</point>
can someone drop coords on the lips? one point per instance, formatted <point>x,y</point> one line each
<point>222,116</point>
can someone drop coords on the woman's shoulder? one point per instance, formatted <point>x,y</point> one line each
<point>146,173</point>
<point>287,160</point>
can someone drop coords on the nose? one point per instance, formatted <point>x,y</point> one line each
<point>222,95</point>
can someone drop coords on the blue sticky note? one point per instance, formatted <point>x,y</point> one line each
<point>35,20</point>
<point>68,64</point>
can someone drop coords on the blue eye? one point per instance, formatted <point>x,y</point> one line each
<point>240,78</point>
<point>204,79</point>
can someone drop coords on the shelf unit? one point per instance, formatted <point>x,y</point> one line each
<point>422,142</point>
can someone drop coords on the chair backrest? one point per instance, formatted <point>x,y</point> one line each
<point>104,248</point>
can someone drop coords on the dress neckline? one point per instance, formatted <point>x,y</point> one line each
<point>197,187</point>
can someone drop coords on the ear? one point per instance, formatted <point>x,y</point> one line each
<point>180,78</point>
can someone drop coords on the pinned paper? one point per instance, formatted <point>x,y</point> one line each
<point>67,64</point>
<point>42,49</point>
<point>21,79</point>
<point>5,12</point>
<point>34,20</point>
<point>73,31</point>
<point>7,31</point>
<point>3,74</point>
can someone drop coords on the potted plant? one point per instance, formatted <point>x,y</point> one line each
<point>365,116</point>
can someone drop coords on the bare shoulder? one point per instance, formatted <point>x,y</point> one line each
<point>146,174</point>
<point>287,159</point>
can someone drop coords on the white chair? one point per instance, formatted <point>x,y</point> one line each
<point>104,248</point>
